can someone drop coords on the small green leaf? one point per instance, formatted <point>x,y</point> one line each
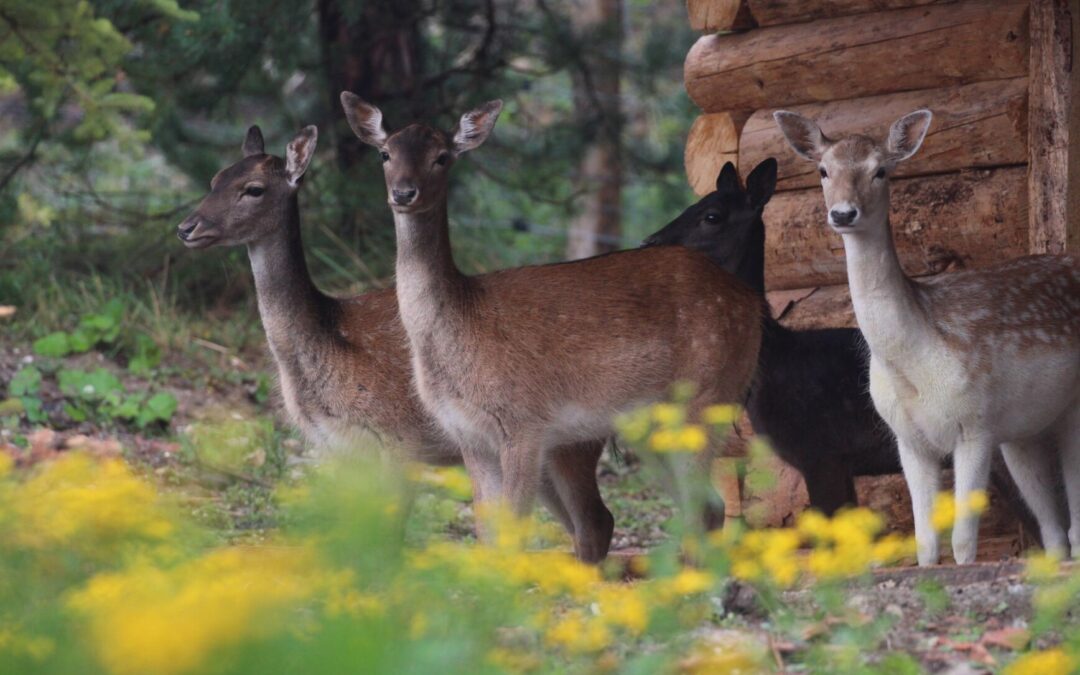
<point>54,345</point>
<point>159,408</point>
<point>81,340</point>
<point>26,382</point>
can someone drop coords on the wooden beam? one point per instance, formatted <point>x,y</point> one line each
<point>712,142</point>
<point>714,16</point>
<point>779,12</point>
<point>968,219</point>
<point>1054,176</point>
<point>856,56</point>
<point>976,125</point>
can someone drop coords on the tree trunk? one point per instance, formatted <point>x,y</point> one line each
<point>596,228</point>
<point>372,49</point>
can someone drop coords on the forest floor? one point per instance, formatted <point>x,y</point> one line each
<point>953,619</point>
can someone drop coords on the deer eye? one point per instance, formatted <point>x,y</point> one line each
<point>880,173</point>
<point>821,170</point>
<point>254,191</point>
<point>712,218</point>
<point>385,156</point>
<point>442,159</point>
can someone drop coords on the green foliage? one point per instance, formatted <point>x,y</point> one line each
<point>102,329</point>
<point>23,391</point>
<point>100,396</point>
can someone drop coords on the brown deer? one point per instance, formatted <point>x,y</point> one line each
<point>963,363</point>
<point>343,363</point>
<point>514,363</point>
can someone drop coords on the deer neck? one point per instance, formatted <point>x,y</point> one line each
<point>751,267</point>
<point>429,285</point>
<point>886,304</point>
<point>293,311</point>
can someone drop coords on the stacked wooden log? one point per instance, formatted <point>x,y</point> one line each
<point>991,182</point>
<point>856,65</point>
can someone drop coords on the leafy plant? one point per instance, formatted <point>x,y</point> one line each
<point>99,395</point>
<point>103,329</point>
<point>24,388</point>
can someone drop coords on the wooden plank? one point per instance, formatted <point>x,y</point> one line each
<point>779,12</point>
<point>820,307</point>
<point>967,219</point>
<point>975,125</point>
<point>713,140</point>
<point>857,56</point>
<point>1049,188</point>
<point>712,16</point>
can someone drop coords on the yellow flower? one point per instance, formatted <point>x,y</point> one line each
<point>88,504</point>
<point>977,502</point>
<point>1049,662</point>
<point>720,414</point>
<point>690,581</point>
<point>153,620</point>
<point>663,440</point>
<point>944,512</point>
<point>1043,566</point>
<point>693,438</point>
<point>577,633</point>
<point>6,463</point>
<point>622,605</point>
<point>668,414</point>
<point>813,525</point>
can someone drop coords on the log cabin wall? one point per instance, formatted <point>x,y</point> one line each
<point>995,179</point>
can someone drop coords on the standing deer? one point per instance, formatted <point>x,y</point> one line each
<point>963,363</point>
<point>811,394</point>
<point>343,363</point>
<point>516,362</point>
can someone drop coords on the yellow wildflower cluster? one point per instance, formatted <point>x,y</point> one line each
<point>845,546</point>
<point>454,480</point>
<point>946,510</point>
<point>152,620</point>
<point>1049,662</point>
<point>664,427</point>
<point>83,503</point>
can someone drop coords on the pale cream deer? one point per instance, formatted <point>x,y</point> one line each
<point>343,363</point>
<point>517,362</point>
<point>963,363</point>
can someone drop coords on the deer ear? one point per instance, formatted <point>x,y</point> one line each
<point>761,183</point>
<point>253,142</point>
<point>728,180</point>
<point>907,133</point>
<point>802,134</point>
<point>365,119</point>
<point>298,154</point>
<point>475,126</point>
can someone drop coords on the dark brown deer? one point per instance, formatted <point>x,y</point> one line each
<point>343,363</point>
<point>964,363</point>
<point>514,363</point>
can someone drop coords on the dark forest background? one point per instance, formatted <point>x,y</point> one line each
<point>115,114</point>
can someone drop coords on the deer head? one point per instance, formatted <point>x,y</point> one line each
<point>726,224</point>
<point>248,200</point>
<point>417,159</point>
<point>855,170</point>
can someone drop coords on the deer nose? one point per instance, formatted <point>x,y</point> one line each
<point>843,216</point>
<point>404,197</point>
<point>184,229</point>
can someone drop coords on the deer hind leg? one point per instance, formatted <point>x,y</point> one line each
<point>1032,466</point>
<point>971,468</point>
<point>572,473</point>
<point>1069,443</point>
<point>923,476</point>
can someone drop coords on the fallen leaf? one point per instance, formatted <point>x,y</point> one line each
<point>1011,638</point>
